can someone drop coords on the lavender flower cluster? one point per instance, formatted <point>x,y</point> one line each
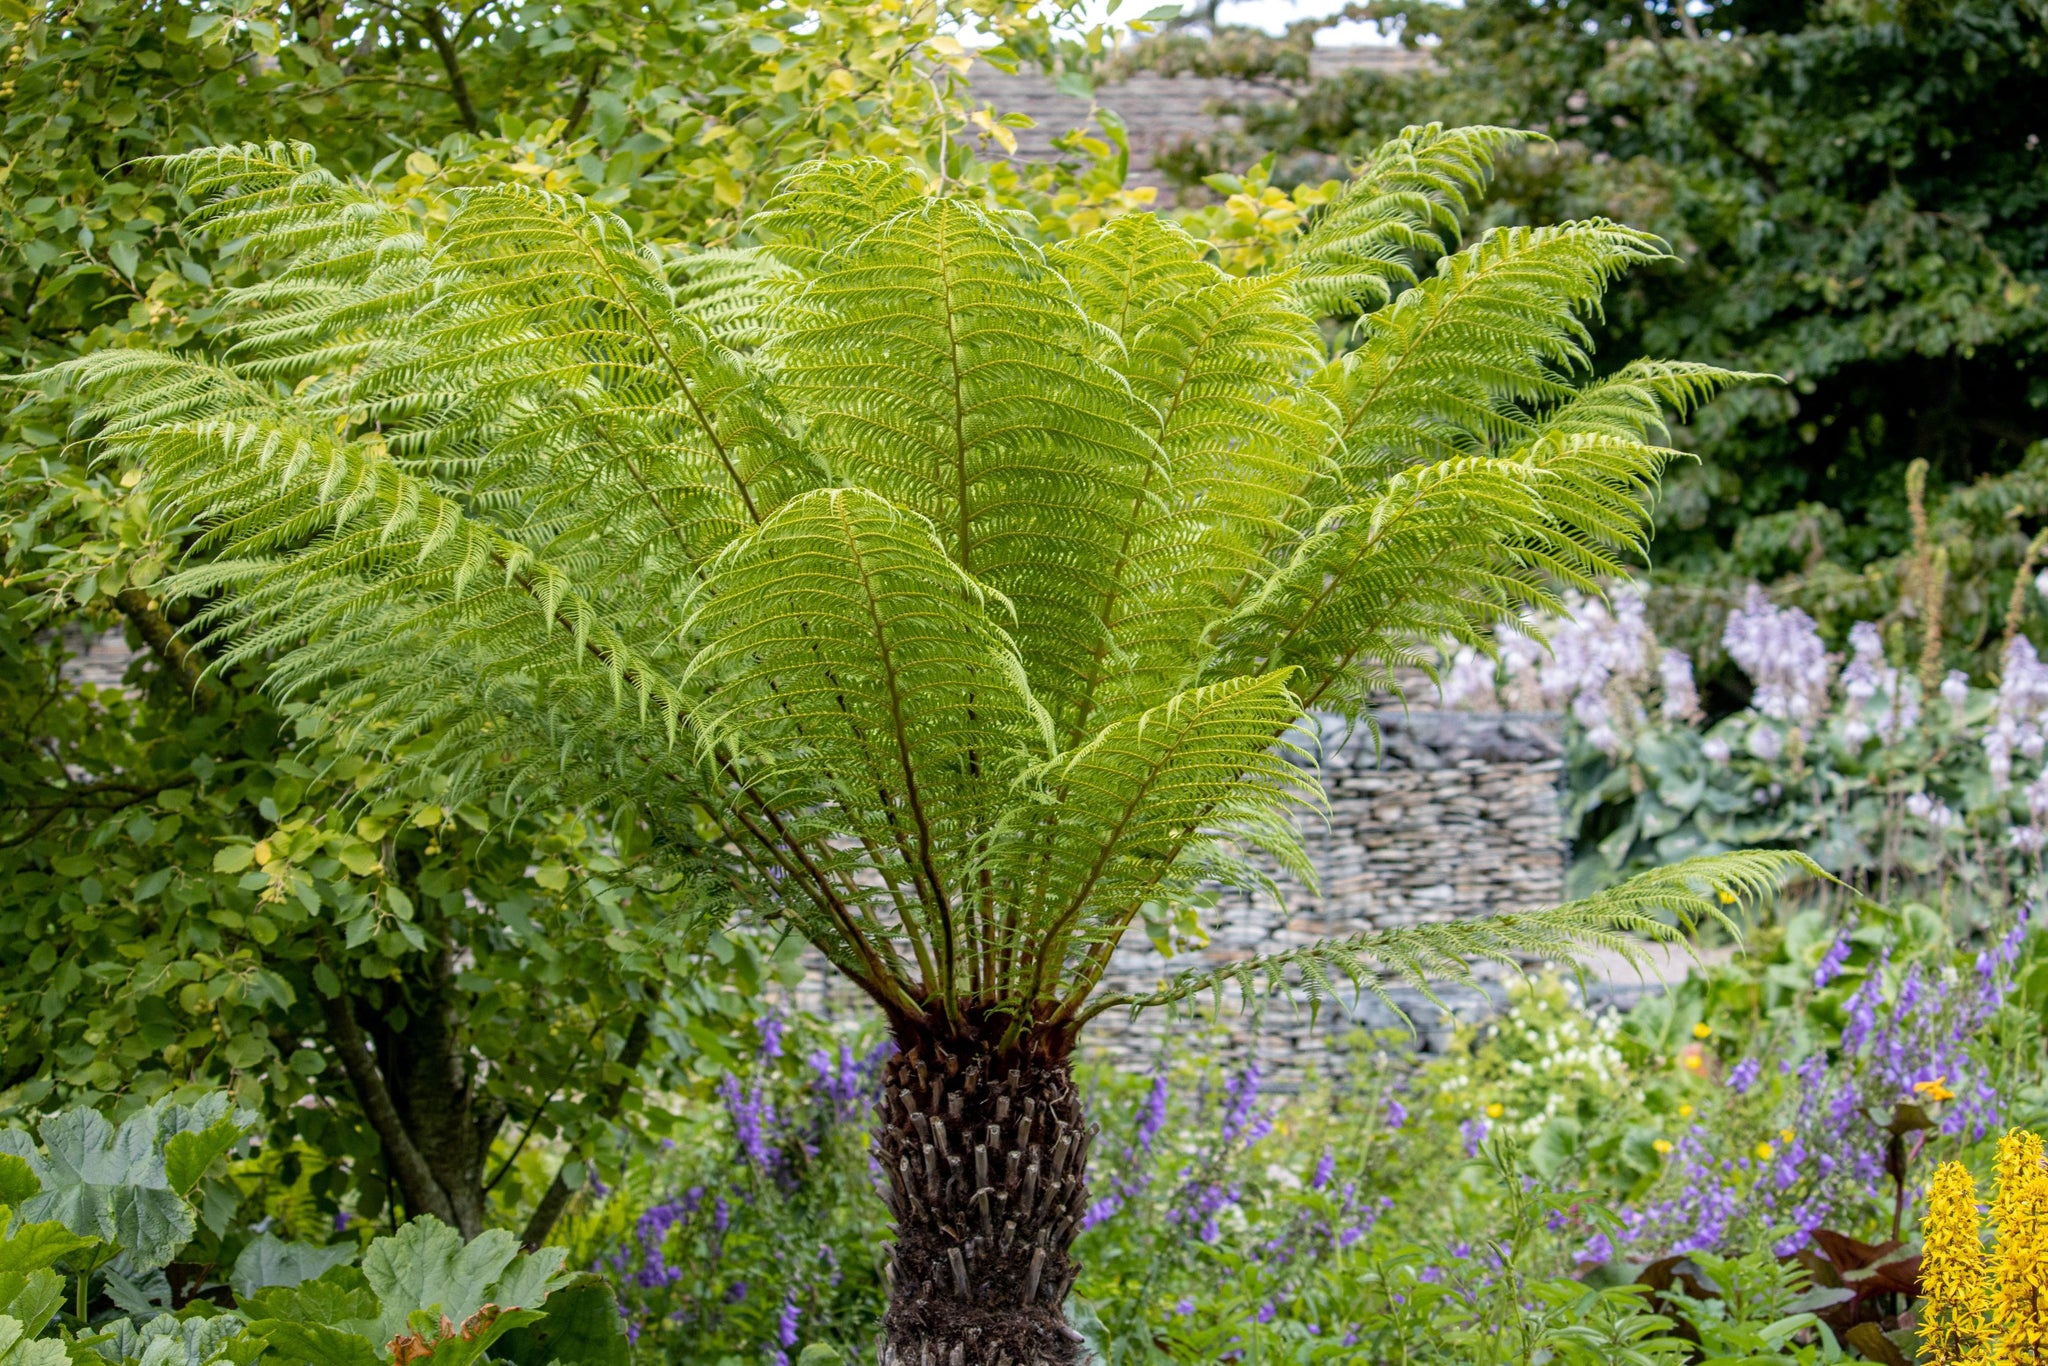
<point>692,1263</point>
<point>1907,1039</point>
<point>1781,650</point>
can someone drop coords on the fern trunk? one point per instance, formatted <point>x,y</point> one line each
<point>985,1154</point>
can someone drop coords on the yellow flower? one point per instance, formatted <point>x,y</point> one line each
<point>2019,1154</point>
<point>1784,1135</point>
<point>1952,1328</point>
<point>1692,1060</point>
<point>2019,1308</point>
<point>1727,897</point>
<point>1934,1090</point>
<point>1495,1110</point>
<point>1662,1145</point>
<point>1685,1112</point>
<point>1703,1030</point>
<point>1765,1152</point>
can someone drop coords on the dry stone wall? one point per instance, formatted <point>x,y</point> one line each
<point>1442,815</point>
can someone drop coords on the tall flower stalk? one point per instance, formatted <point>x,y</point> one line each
<point>2020,1307</point>
<point>1952,1319</point>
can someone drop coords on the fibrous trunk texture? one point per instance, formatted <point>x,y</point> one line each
<point>986,1158</point>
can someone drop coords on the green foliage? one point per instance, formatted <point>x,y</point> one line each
<point>1019,672</point>
<point>128,1186</point>
<point>124,1201</point>
<point>1852,200</point>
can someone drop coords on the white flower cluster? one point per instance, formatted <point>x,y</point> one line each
<point>1882,702</point>
<point>2016,727</point>
<point>1594,662</point>
<point>1932,812</point>
<point>1780,649</point>
<point>1681,695</point>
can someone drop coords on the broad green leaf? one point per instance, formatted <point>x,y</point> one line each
<point>426,1267</point>
<point>16,1348</point>
<point>31,1297</point>
<point>17,1180</point>
<point>29,1247</point>
<point>188,1155</point>
<point>315,1344</point>
<point>270,1261</point>
<point>582,1327</point>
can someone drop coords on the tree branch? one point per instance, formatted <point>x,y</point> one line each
<point>164,641</point>
<point>458,88</point>
<point>556,1198</point>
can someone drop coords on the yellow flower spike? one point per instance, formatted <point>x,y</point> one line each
<point>2019,1307</point>
<point>1952,1314</point>
<point>1495,1110</point>
<point>1662,1145</point>
<point>1703,1030</point>
<point>2019,1155</point>
<point>1685,1112</point>
<point>1765,1152</point>
<point>1785,1136</point>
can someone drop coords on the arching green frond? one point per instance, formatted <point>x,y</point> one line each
<point>1124,271</point>
<point>127,392</point>
<point>1220,366</point>
<point>1431,555</point>
<point>730,293</point>
<point>1630,404</point>
<point>1121,809</point>
<point>823,207</point>
<point>274,198</point>
<point>1448,367</point>
<point>942,364</point>
<point>564,381</point>
<point>1406,204</point>
<point>1660,905</point>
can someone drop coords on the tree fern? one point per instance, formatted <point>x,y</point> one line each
<point>966,591</point>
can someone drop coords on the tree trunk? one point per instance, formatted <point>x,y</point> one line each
<point>434,1087</point>
<point>986,1158</point>
<point>418,1091</point>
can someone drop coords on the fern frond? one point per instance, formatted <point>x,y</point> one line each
<point>730,292</point>
<point>854,674</point>
<point>940,363</point>
<point>1405,204</point>
<point>1117,813</point>
<point>1660,905</point>
<point>1452,366</point>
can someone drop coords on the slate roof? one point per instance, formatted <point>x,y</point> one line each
<point>1160,111</point>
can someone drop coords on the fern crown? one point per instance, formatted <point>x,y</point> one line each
<point>964,593</point>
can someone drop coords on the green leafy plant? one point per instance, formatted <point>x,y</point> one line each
<point>110,1207</point>
<point>967,615</point>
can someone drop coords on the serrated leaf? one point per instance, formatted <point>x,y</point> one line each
<point>582,1327</point>
<point>270,1261</point>
<point>32,1298</point>
<point>18,1349</point>
<point>31,1246</point>
<point>426,1267</point>
<point>315,1344</point>
<point>188,1155</point>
